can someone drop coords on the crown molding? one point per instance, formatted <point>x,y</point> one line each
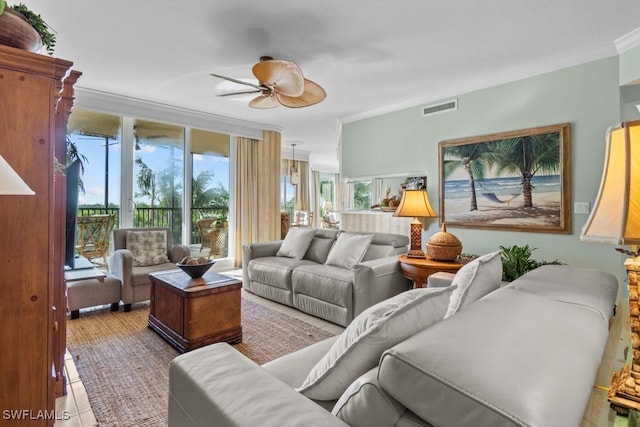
<point>495,79</point>
<point>628,41</point>
<point>106,102</point>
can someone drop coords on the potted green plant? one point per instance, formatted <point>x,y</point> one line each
<point>22,28</point>
<point>517,260</point>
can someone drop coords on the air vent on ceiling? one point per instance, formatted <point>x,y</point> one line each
<point>440,107</point>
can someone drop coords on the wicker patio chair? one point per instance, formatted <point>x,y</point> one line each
<point>204,228</point>
<point>94,234</point>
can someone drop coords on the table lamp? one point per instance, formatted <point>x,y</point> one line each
<point>10,182</point>
<point>615,219</point>
<point>415,203</point>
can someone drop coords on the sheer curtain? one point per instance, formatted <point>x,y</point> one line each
<point>314,198</point>
<point>269,154</point>
<point>343,195</point>
<point>302,189</point>
<point>246,195</point>
<point>257,191</point>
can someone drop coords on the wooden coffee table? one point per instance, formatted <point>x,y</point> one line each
<point>191,313</point>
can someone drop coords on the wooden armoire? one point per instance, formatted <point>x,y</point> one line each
<point>36,96</point>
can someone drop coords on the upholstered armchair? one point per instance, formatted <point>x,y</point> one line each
<point>138,252</point>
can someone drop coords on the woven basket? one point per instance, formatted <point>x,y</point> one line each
<point>444,246</point>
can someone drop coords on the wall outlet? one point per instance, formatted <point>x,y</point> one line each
<point>581,207</point>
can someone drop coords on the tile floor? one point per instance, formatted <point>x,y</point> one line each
<point>76,402</point>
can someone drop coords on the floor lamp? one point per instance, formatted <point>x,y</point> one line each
<point>615,219</point>
<point>10,182</point>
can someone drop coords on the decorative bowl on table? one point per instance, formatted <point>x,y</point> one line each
<point>195,267</point>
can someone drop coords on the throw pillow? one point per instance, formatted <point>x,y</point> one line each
<point>349,249</point>
<point>475,280</point>
<point>371,333</point>
<point>147,247</point>
<point>296,242</point>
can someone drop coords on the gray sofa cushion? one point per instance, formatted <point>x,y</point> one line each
<point>140,275</point>
<point>475,280</point>
<point>376,329</point>
<point>366,404</point>
<point>296,242</point>
<point>503,340</point>
<point>592,288</point>
<point>319,249</point>
<point>274,271</point>
<point>324,282</point>
<point>378,251</point>
<point>349,249</point>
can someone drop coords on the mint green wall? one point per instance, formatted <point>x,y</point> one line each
<point>587,96</point>
<point>630,66</point>
<point>629,100</point>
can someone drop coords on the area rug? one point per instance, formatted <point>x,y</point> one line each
<point>124,365</point>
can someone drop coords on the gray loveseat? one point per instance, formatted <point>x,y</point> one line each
<point>525,354</point>
<point>311,284</point>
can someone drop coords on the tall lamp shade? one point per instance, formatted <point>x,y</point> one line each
<point>615,219</point>
<point>10,182</point>
<point>415,203</point>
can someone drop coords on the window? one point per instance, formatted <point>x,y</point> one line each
<point>327,193</point>
<point>362,195</point>
<point>95,138</point>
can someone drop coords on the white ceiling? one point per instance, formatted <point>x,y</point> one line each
<point>369,55</point>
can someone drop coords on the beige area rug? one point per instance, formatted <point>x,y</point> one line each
<point>124,365</point>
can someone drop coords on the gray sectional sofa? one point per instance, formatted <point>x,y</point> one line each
<point>525,354</point>
<point>317,277</point>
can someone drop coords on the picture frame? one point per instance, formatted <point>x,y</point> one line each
<point>514,181</point>
<point>415,183</point>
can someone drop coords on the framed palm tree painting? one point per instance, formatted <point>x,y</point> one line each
<point>517,181</point>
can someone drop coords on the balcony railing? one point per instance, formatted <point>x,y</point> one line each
<point>163,217</point>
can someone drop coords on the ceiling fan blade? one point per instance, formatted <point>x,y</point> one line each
<point>237,81</point>
<point>283,77</point>
<point>264,102</point>
<point>313,93</point>
<point>242,92</point>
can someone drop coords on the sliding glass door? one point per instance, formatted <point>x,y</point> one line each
<point>210,193</point>
<point>95,138</point>
<point>158,176</point>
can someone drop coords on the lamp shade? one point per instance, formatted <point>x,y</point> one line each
<point>615,217</point>
<point>415,203</point>
<point>10,181</point>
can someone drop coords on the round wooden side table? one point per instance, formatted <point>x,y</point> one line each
<point>419,269</point>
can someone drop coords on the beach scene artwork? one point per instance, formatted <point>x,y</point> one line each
<point>509,181</point>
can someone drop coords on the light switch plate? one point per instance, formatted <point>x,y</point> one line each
<point>581,207</point>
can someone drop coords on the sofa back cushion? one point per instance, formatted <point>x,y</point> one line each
<point>510,359</point>
<point>365,403</point>
<point>349,249</point>
<point>120,235</point>
<point>373,331</point>
<point>296,243</point>
<point>320,245</point>
<point>475,280</point>
<point>147,247</point>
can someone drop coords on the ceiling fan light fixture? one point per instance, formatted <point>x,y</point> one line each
<point>312,95</point>
<point>280,83</point>
<point>294,176</point>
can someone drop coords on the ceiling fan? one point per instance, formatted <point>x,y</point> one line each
<point>279,83</point>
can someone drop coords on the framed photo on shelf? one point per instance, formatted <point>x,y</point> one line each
<point>516,181</point>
